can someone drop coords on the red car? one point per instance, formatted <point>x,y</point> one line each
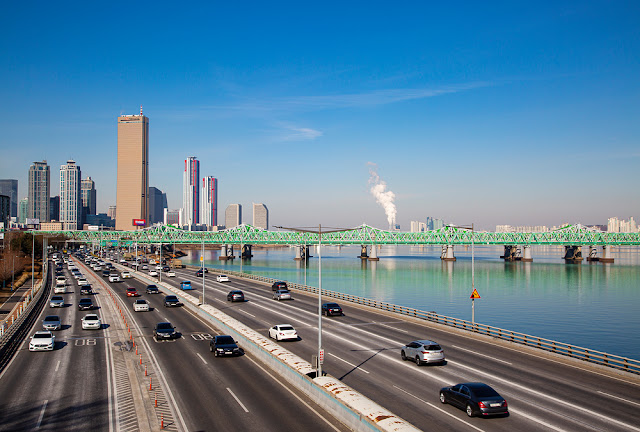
<point>131,292</point>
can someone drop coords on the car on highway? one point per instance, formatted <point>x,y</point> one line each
<point>105,273</point>
<point>42,340</point>
<point>475,398</point>
<point>56,301</point>
<point>126,275</point>
<point>132,292</point>
<point>199,272</point>
<point>172,301</point>
<point>171,273</point>
<point>164,330</point>
<point>283,332</point>
<point>114,277</point>
<point>91,322</point>
<point>279,286</point>
<point>86,289</point>
<point>159,267</point>
<point>282,295</point>
<point>51,322</point>
<point>423,352</point>
<point>61,280</point>
<point>144,267</point>
<point>331,309</point>
<point>165,268</point>
<point>235,296</point>
<point>60,289</point>
<point>185,285</point>
<point>83,281</point>
<point>153,273</point>
<point>85,304</point>
<point>141,305</point>
<point>223,345</point>
<point>222,278</point>
<point>152,289</point>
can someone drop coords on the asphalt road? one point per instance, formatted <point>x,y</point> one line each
<point>544,392</point>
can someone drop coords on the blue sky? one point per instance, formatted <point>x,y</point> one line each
<point>492,113</point>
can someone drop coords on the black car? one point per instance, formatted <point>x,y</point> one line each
<point>223,345</point>
<point>171,300</point>
<point>86,289</point>
<point>331,309</point>
<point>199,272</point>
<point>152,289</point>
<point>164,330</point>
<point>235,296</point>
<point>279,286</point>
<point>105,273</point>
<point>165,268</point>
<point>475,398</point>
<point>85,304</point>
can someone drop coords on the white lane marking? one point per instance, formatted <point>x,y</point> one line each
<point>350,364</point>
<point>166,319</point>
<point>201,358</point>
<point>57,365</point>
<point>250,314</point>
<point>546,396</point>
<point>618,397</point>
<point>440,409</point>
<point>482,355</point>
<point>323,417</point>
<point>44,407</point>
<point>238,400</point>
<point>394,328</point>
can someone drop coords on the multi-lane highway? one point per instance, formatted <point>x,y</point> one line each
<point>545,392</point>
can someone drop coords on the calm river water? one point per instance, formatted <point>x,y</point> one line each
<point>592,305</point>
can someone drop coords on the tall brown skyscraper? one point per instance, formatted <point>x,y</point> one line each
<point>132,199</point>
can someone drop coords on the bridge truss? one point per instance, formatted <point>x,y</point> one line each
<point>361,235</point>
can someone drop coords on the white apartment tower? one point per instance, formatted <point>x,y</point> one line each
<point>260,216</point>
<point>191,192</point>
<point>70,197</point>
<point>39,186</point>
<point>209,201</point>
<point>233,216</point>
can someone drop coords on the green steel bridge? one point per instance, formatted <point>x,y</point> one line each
<point>574,235</point>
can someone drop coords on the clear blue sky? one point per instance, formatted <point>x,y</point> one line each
<point>521,113</point>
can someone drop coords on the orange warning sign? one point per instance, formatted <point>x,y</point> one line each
<point>474,294</point>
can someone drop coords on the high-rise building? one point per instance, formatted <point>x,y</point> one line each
<point>157,204</point>
<point>5,211</point>
<point>9,187</point>
<point>209,201</point>
<point>191,192</point>
<point>172,217</point>
<point>260,216</point>
<point>88,193</point>
<point>132,193</point>
<point>70,197</point>
<point>22,212</point>
<point>39,190</point>
<point>54,208</point>
<point>233,215</point>
<point>112,212</point>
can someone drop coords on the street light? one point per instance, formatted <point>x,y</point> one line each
<point>320,354</point>
<point>473,288</point>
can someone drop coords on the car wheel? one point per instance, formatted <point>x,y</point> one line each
<point>418,361</point>
<point>442,398</point>
<point>211,348</point>
<point>403,356</point>
<point>469,410</point>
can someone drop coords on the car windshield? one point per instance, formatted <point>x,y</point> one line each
<point>42,336</point>
<point>164,326</point>
<point>484,391</point>
<point>152,287</point>
<point>52,318</point>
<point>226,340</point>
<point>84,301</point>
<point>172,298</point>
<point>432,347</point>
<point>91,317</point>
<point>56,298</point>
<point>332,305</point>
<point>286,328</point>
<point>141,301</point>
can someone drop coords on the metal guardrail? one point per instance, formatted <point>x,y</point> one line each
<point>617,362</point>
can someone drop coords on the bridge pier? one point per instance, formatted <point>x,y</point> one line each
<point>245,252</point>
<point>363,252</point>
<point>374,253</point>
<point>302,252</point>
<point>606,254</point>
<point>526,256</point>
<point>593,254</point>
<point>511,253</point>
<point>447,253</point>
<point>226,252</point>
<point>572,253</point>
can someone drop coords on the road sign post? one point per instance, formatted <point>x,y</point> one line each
<point>474,296</point>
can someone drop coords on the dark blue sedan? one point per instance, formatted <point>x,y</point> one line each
<point>475,398</point>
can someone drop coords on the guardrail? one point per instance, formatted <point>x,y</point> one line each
<point>617,362</point>
<point>19,309</point>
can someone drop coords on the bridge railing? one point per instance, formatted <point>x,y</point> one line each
<point>574,351</point>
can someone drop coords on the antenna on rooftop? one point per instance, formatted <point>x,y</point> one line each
<point>140,109</point>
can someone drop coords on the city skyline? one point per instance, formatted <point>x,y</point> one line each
<point>500,114</point>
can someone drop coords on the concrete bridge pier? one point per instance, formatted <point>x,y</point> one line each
<point>302,252</point>
<point>447,253</point>
<point>511,253</point>
<point>374,253</point>
<point>226,252</point>
<point>526,256</point>
<point>593,254</point>
<point>363,252</point>
<point>606,254</point>
<point>245,252</point>
<point>572,253</point>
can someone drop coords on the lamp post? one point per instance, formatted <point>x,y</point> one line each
<point>473,287</point>
<point>202,260</point>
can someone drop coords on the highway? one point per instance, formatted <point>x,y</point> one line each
<point>544,392</point>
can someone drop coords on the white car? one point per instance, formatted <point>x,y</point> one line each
<point>159,267</point>
<point>97,268</point>
<point>83,282</point>
<point>61,281</point>
<point>91,322</point>
<point>60,289</point>
<point>282,295</point>
<point>222,278</point>
<point>171,273</point>
<point>141,305</point>
<point>56,301</point>
<point>114,277</point>
<point>42,340</point>
<point>153,273</point>
<point>282,332</point>
<point>126,275</point>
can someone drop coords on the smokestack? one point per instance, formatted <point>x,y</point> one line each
<point>383,196</point>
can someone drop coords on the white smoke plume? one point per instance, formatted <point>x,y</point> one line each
<point>383,196</point>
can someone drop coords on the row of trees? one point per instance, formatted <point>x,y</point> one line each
<point>15,256</point>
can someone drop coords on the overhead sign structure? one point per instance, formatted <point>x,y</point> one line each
<point>474,294</point>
